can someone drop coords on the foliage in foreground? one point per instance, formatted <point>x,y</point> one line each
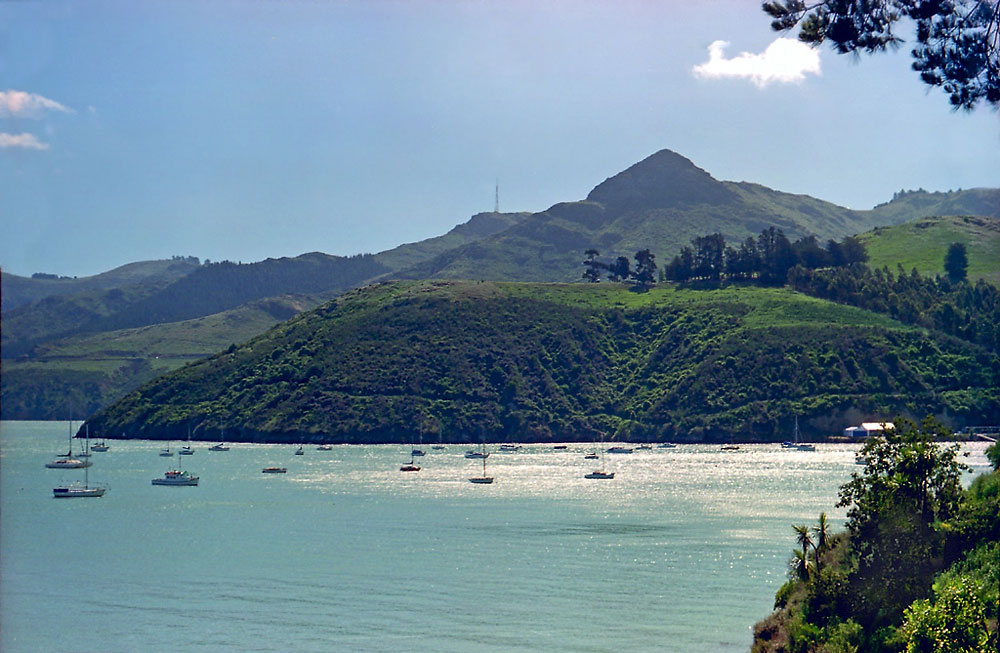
<point>918,569</point>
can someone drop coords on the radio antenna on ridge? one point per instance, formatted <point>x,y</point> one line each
<point>496,198</point>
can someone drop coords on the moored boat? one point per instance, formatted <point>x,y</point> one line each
<point>176,477</point>
<point>274,470</point>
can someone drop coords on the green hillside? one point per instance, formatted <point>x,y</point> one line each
<point>923,243</point>
<point>464,361</point>
<point>20,291</point>
<point>77,375</point>
<point>210,289</point>
<point>909,205</point>
<point>479,226</point>
<point>660,203</point>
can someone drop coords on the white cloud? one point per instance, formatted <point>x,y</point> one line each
<point>19,104</point>
<point>24,141</point>
<point>784,61</point>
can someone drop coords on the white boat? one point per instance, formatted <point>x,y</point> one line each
<point>795,440</point>
<point>186,450</point>
<point>222,443</point>
<point>325,447</point>
<point>620,450</point>
<point>99,446</point>
<point>484,479</point>
<point>601,473</point>
<point>78,490</point>
<point>67,461</point>
<point>473,454</point>
<point>666,445</point>
<point>176,477</point>
<point>645,446</point>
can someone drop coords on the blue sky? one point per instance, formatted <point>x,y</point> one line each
<point>246,130</point>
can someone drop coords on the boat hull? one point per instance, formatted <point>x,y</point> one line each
<point>77,492</point>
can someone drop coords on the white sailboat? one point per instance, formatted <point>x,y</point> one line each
<point>76,490</point>
<point>601,473</point>
<point>186,450</point>
<point>222,443</point>
<point>67,461</point>
<point>484,479</point>
<point>795,439</point>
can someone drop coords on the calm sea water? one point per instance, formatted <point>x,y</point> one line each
<point>682,551</point>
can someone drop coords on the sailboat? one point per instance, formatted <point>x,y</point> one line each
<point>75,490</point>
<point>410,466</point>
<point>600,473</point>
<point>222,443</point>
<point>482,453</point>
<point>795,442</point>
<point>166,452</point>
<point>484,479</point>
<point>67,461</point>
<point>186,450</point>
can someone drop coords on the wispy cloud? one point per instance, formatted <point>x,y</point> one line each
<point>784,61</point>
<point>24,141</point>
<point>20,104</point>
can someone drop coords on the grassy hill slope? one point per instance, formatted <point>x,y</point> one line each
<point>75,376</point>
<point>462,361</point>
<point>20,291</point>
<point>923,243</point>
<point>660,203</point>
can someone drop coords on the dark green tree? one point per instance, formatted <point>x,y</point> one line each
<point>957,41</point>
<point>594,267</point>
<point>709,261</point>
<point>908,484</point>
<point>956,262</point>
<point>620,270</point>
<point>645,268</point>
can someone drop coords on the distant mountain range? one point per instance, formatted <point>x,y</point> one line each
<point>659,203</point>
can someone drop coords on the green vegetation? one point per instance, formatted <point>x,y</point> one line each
<point>399,361</point>
<point>923,244</point>
<point>918,568</point>
<point>78,375</point>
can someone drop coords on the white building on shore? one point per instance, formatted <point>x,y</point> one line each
<point>868,429</point>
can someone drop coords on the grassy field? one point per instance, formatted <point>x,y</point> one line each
<point>922,244</point>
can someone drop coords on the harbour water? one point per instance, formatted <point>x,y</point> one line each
<point>681,551</point>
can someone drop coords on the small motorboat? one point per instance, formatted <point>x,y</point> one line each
<point>416,452</point>
<point>620,450</point>
<point>591,456</point>
<point>325,447</point>
<point>599,474</point>
<point>99,446</point>
<point>560,446</point>
<point>666,445</point>
<point>273,470</point>
<point>409,467</point>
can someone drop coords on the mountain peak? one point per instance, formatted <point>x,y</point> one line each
<point>662,180</point>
